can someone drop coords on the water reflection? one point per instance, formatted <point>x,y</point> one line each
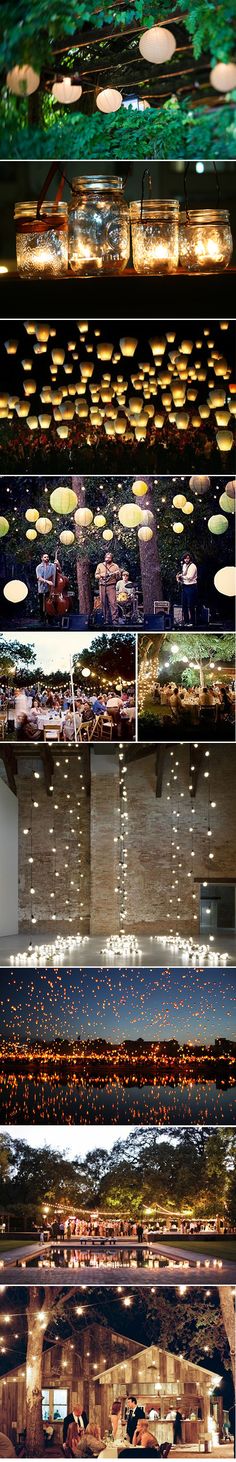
<point>24,1099</point>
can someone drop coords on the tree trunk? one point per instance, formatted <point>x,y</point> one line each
<point>201,675</point>
<point>36,1332</point>
<point>150,562</point>
<point>228,1316</point>
<point>85,595</point>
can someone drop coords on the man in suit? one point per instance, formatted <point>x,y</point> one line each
<point>135,1413</point>
<point>80,1419</point>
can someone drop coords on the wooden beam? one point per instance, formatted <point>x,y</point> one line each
<point>10,763</point>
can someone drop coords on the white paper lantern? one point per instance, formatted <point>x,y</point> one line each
<point>109,100</point>
<point>223,76</point>
<point>157,45</point>
<point>225,581</point>
<point>22,80</point>
<point>66,91</point>
<point>15,591</point>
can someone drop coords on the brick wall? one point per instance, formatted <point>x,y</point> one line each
<point>61,812</point>
<point>104,911</point>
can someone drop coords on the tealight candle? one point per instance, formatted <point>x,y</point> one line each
<point>155,241</point>
<point>41,243</point>
<point>205,240</point>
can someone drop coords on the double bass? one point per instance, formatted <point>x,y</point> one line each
<point>59,597</point>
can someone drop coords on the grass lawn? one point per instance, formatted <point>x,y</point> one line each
<point>217,1248</point>
<point>13,1243</point>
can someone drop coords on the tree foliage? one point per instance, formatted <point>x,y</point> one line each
<point>173,130</point>
<point>28,32</point>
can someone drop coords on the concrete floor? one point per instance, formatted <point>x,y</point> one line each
<point>110,1276</point>
<point>155,952</point>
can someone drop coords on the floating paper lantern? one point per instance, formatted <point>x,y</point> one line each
<point>31,534</point>
<point>200,485</point>
<point>66,91</point>
<point>217,524</point>
<point>58,356</point>
<point>226,503</point>
<point>130,515</point>
<point>225,581</point>
<point>83,517</point>
<point>105,350</point>
<point>11,346</point>
<point>44,526</point>
<point>99,520</point>
<point>188,507</point>
<point>182,420</point>
<point>109,100</point>
<point>32,423</point>
<point>139,488</point>
<point>15,591</point>
<point>4,527</point>
<point>145,534</point>
<point>63,431</point>
<point>157,45</point>
<point>178,527</point>
<point>179,500</point>
<point>107,534</point>
<point>63,500</point>
<point>223,76</point>
<point>22,408</point>
<point>31,515</point>
<point>22,80</point>
<point>67,537</point>
<point>44,421</point>
<point>224,440</point>
<point>128,345</point>
<point>231,488</point>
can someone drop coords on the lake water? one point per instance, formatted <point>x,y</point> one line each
<point>25,1100</point>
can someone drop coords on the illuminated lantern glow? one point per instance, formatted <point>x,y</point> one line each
<point>130,515</point>
<point>145,534</point>
<point>225,581</point>
<point>139,488</point>
<point>31,515</point>
<point>157,45</point>
<point>188,507</point>
<point>231,488</point>
<point>4,527</point>
<point>109,100</point>
<point>99,520</point>
<point>32,423</point>
<point>67,537</point>
<point>45,421</point>
<point>178,527</point>
<point>63,431</point>
<point>128,345</point>
<point>200,485</point>
<point>83,517</point>
<point>224,440</point>
<point>179,500</point>
<point>22,80</point>
<point>31,534</point>
<point>223,76</point>
<point>107,534</point>
<point>226,503</point>
<point>15,591</point>
<point>63,500</point>
<point>43,526</point>
<point>66,91</point>
<point>217,524</point>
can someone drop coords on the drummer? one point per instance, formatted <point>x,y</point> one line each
<point>108,574</point>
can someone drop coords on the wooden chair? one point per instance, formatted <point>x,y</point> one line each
<point>51,732</point>
<point>106,729</point>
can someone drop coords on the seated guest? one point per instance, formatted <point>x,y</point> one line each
<point>6,1447</point>
<point>98,706</point>
<point>80,1420</point>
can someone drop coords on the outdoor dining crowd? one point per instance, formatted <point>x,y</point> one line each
<point>28,714</point>
<point>209,703</point>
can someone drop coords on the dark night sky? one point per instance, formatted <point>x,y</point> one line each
<point>189,1004</point>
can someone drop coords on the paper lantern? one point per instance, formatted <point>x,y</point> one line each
<point>31,515</point>
<point>200,485</point>
<point>66,91</point>
<point>231,488</point>
<point>63,500</point>
<point>67,537</point>
<point>217,397</point>
<point>44,526</point>
<point>99,520</point>
<point>226,503</point>
<point>178,527</point>
<point>188,507</point>
<point>105,350</point>
<point>145,534</point>
<point>218,524</point>
<point>147,517</point>
<point>4,527</point>
<point>58,357</point>
<point>107,534</point>
<point>109,100</point>
<point>83,517</point>
<point>22,80</point>
<point>224,440</point>
<point>31,534</point>
<point>225,581</point>
<point>11,346</point>
<point>32,423</point>
<point>15,591</point>
<point>45,421</point>
<point>157,45</point>
<point>223,76</point>
<point>179,500</point>
<point>22,408</point>
<point>63,431</point>
<point>128,345</point>
<point>130,515</point>
<point>182,420</point>
<point>139,488</point>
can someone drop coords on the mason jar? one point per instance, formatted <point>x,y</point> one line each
<point>41,243</point>
<point>99,232</point>
<point>155,236</point>
<point>205,240</point>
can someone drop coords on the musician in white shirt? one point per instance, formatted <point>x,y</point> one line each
<point>188,578</point>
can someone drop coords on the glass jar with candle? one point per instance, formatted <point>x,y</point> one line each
<point>99,232</point>
<point>205,240</point>
<point>41,243</point>
<point>155,236</point>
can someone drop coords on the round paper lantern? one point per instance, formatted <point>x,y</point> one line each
<point>218,524</point>
<point>109,100</point>
<point>67,537</point>
<point>15,591</point>
<point>231,488</point>
<point>66,91</point>
<point>99,520</point>
<point>223,76</point>
<point>145,534</point>
<point>32,515</point>
<point>224,440</point>
<point>4,527</point>
<point>188,507</point>
<point>107,534</point>
<point>200,485</point>
<point>83,517</point>
<point>179,500</point>
<point>226,503</point>
<point>147,517</point>
<point>63,500</point>
<point>31,534</point>
<point>130,515</point>
<point>178,527</point>
<point>157,45</point>
<point>44,526</point>
<point>139,488</point>
<point>225,581</point>
<point>22,80</point>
